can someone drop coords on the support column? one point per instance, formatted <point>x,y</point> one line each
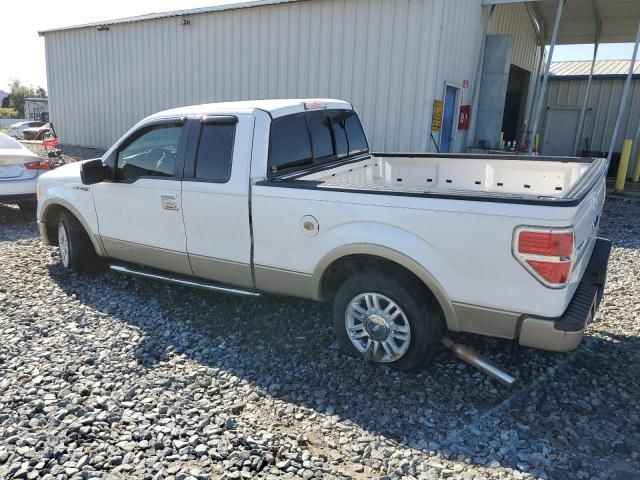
<point>577,144</point>
<point>636,156</point>
<point>545,80</point>
<point>625,95</point>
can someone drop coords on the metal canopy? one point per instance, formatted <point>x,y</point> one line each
<point>580,19</point>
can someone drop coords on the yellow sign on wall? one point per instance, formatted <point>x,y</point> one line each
<point>436,117</point>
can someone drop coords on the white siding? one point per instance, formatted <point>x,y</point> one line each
<point>390,58</point>
<point>514,20</point>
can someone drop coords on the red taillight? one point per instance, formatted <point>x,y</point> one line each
<point>37,165</point>
<point>558,244</point>
<point>546,253</point>
<point>552,272</point>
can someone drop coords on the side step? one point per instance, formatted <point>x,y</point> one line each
<point>176,280</point>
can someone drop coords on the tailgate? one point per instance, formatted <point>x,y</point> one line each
<point>586,227</point>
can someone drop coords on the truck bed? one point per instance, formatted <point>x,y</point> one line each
<point>509,178</point>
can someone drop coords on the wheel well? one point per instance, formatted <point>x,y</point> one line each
<point>340,270</point>
<point>51,221</point>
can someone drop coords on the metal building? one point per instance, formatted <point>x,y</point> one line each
<point>390,58</point>
<point>425,75</point>
<point>567,90</point>
<point>36,109</point>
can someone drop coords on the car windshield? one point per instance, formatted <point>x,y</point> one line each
<point>8,142</point>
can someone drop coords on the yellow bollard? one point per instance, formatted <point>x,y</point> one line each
<point>636,170</point>
<point>624,165</point>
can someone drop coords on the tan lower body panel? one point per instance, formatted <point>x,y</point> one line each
<point>231,273</point>
<point>485,321</point>
<point>284,282</point>
<point>539,333</point>
<point>168,260</point>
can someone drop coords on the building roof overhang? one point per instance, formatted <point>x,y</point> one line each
<point>616,21</point>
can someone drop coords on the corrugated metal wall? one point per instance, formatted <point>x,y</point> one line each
<point>514,20</point>
<point>390,58</point>
<point>604,102</point>
<point>382,55</point>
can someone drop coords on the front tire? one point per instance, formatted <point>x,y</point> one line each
<point>76,250</point>
<point>387,319</point>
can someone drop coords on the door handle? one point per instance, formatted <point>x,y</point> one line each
<point>170,202</point>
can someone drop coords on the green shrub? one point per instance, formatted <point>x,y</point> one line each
<point>9,113</point>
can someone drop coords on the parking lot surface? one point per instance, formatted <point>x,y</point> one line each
<point>105,376</point>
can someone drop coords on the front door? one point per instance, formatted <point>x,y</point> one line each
<point>448,117</point>
<point>140,211</point>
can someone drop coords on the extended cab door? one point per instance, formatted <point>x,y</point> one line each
<point>215,195</point>
<point>140,210</point>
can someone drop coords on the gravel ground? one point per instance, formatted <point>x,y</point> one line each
<point>107,376</point>
<point>70,153</point>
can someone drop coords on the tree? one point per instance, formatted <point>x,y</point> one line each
<point>19,93</point>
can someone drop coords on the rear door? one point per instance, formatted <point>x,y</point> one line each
<point>140,211</point>
<point>215,193</point>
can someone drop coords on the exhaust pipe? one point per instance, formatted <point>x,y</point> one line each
<point>480,362</point>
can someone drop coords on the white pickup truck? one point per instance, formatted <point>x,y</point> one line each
<point>283,196</point>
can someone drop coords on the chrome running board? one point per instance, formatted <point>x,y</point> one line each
<point>184,282</point>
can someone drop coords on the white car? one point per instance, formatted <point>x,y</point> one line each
<point>284,196</point>
<point>19,172</point>
<point>15,130</point>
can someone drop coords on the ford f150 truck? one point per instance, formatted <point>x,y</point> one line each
<point>284,196</point>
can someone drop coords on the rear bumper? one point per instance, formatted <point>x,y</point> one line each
<point>565,333</point>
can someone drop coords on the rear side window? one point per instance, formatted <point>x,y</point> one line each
<point>340,133</point>
<point>314,138</point>
<point>355,134</point>
<point>215,152</point>
<point>321,136</point>
<point>289,143</point>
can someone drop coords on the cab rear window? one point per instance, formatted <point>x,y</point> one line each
<point>314,138</point>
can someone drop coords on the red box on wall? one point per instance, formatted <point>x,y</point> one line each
<point>465,116</point>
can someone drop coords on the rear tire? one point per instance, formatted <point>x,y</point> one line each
<point>388,320</point>
<point>76,250</point>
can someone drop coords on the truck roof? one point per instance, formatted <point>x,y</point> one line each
<point>275,108</point>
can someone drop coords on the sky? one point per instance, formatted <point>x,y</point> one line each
<point>20,33</point>
<point>22,52</point>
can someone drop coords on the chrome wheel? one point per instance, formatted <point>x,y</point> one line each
<point>378,327</point>
<point>63,244</point>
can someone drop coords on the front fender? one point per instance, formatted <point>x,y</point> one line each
<point>75,197</point>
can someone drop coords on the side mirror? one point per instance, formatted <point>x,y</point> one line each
<point>92,172</point>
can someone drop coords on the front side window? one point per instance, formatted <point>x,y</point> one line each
<point>215,152</point>
<point>151,153</point>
